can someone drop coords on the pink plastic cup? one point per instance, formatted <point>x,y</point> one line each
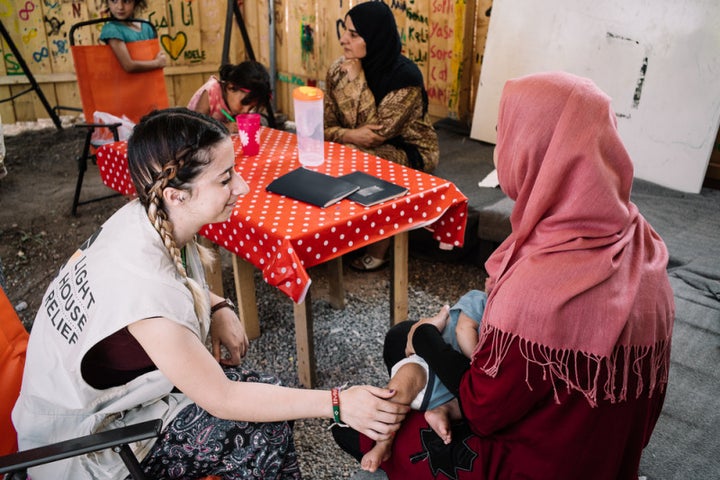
<point>249,130</point>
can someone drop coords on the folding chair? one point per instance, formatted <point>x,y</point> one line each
<point>106,87</point>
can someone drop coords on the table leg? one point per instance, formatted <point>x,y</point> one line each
<point>335,280</point>
<point>304,342</point>
<point>243,273</point>
<point>213,276</point>
<point>399,284</point>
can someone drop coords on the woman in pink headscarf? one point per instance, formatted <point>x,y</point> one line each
<point>569,374</point>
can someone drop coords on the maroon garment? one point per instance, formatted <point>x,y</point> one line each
<point>568,377</point>
<point>115,360</point>
<point>525,434</point>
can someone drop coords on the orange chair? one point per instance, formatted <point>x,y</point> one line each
<point>106,87</point>
<point>13,343</point>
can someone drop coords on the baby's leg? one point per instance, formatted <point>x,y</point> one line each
<point>439,418</point>
<point>408,381</point>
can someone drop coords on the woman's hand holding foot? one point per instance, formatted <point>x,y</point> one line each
<point>370,411</point>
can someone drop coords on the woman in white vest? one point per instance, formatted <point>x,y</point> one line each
<point>120,336</point>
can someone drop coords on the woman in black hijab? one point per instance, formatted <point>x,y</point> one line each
<point>376,101</point>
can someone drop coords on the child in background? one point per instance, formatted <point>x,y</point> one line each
<point>240,88</point>
<point>119,31</point>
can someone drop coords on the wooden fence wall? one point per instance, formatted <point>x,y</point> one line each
<point>445,38</point>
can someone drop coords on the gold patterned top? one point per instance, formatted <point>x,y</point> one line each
<point>351,104</point>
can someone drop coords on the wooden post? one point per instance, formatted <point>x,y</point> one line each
<point>336,288</point>
<point>399,284</point>
<point>243,273</point>
<point>304,342</point>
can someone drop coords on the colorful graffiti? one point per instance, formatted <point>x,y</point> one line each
<point>24,13</point>
<point>169,20</point>
<point>174,46</point>
<point>41,30</point>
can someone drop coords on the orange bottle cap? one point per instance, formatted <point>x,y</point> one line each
<point>307,94</point>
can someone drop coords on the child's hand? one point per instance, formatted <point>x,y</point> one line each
<point>161,59</point>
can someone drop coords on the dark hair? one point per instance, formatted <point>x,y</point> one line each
<point>385,68</point>
<point>140,6</point>
<point>169,148</point>
<point>252,76</point>
<point>375,23</point>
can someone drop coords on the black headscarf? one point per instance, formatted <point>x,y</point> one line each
<point>385,68</point>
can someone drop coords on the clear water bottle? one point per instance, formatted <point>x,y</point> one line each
<point>308,103</point>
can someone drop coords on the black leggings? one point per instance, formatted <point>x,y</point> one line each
<point>393,351</point>
<point>395,342</point>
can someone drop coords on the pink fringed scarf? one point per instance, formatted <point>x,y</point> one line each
<point>582,278</point>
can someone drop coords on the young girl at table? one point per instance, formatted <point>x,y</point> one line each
<point>376,101</point>
<point>120,31</point>
<point>121,333</point>
<point>241,88</point>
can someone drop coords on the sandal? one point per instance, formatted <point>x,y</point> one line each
<point>367,263</point>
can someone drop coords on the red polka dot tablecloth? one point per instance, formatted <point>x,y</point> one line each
<point>283,237</point>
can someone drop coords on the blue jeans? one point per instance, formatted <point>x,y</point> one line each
<point>436,393</point>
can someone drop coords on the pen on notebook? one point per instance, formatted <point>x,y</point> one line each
<point>229,117</point>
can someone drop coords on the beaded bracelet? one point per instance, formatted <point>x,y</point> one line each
<point>335,394</point>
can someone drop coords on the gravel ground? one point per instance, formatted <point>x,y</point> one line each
<point>348,343</point>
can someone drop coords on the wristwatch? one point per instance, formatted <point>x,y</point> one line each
<point>227,303</point>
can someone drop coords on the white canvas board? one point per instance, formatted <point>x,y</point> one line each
<point>659,60</point>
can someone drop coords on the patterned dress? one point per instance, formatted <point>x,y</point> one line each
<point>196,444</point>
<point>350,104</point>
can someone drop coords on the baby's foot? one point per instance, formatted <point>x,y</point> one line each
<point>379,453</point>
<point>440,319</point>
<point>439,420</point>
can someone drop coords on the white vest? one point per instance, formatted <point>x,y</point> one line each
<point>122,274</point>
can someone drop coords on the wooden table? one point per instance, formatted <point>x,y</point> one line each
<point>284,237</point>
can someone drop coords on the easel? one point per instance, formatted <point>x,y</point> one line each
<point>233,11</point>
<point>33,83</point>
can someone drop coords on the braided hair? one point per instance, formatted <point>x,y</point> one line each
<point>170,148</point>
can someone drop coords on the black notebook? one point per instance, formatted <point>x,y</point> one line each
<point>312,187</point>
<point>372,189</point>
